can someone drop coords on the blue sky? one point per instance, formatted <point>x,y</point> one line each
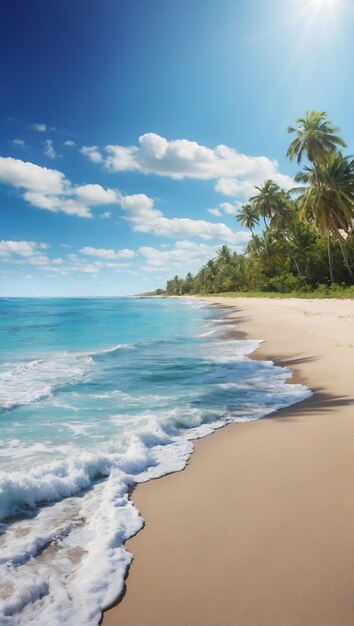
<point>132,131</point>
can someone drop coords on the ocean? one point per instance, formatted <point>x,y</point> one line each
<point>96,395</point>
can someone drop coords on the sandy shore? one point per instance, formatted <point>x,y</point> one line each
<point>259,528</point>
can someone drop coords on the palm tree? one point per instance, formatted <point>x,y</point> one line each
<point>247,216</point>
<point>269,250</point>
<point>301,238</point>
<point>328,200</point>
<point>267,201</point>
<point>316,137</point>
<point>211,267</point>
<point>175,286</point>
<point>224,255</point>
<point>202,280</point>
<point>188,283</point>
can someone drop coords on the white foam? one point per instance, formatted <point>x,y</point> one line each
<point>26,382</point>
<point>119,346</point>
<point>29,381</point>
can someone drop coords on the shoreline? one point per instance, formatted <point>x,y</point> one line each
<point>271,554</point>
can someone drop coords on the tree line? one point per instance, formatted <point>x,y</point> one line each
<point>302,239</point>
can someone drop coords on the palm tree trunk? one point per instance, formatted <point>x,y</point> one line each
<point>344,253</point>
<point>297,265</point>
<point>330,264</point>
<point>291,253</point>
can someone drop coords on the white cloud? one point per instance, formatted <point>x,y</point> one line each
<point>145,218</point>
<point>31,177</point>
<point>21,248</point>
<point>106,215</point>
<point>182,158</point>
<point>30,253</point>
<point>235,187</point>
<point>58,204</point>
<point>96,195</point>
<point>41,128</point>
<point>26,253</point>
<point>184,256</point>
<point>215,212</point>
<point>48,189</point>
<point>236,174</point>
<point>104,253</point>
<point>231,208</point>
<point>92,153</point>
<point>69,142</point>
<point>18,142</point>
<point>49,149</point>
<point>121,159</point>
<point>78,265</point>
<point>228,208</point>
<point>244,189</point>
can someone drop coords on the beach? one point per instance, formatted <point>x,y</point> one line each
<point>258,529</point>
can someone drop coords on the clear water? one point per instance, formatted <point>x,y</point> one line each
<point>96,395</point>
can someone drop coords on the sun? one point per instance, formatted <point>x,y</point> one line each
<point>327,9</point>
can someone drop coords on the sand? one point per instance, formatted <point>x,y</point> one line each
<point>259,528</point>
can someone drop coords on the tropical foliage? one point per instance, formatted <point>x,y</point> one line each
<point>300,239</point>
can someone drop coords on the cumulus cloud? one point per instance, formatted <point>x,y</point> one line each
<point>58,204</point>
<point>183,257</point>
<point>22,174</point>
<point>69,142</point>
<point>30,253</point>
<point>106,215</point>
<point>245,189</point>
<point>229,208</point>
<point>21,248</point>
<point>27,253</point>
<point>121,159</point>
<point>49,189</point>
<point>104,253</point>
<point>216,212</point>
<point>18,142</point>
<point>93,194</point>
<point>49,149</point>
<point>145,218</point>
<point>237,174</point>
<point>92,153</point>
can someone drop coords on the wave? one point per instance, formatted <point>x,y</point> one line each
<point>84,529</point>
<point>119,346</point>
<point>32,380</point>
<point>29,381</point>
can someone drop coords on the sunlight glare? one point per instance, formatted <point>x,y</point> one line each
<point>323,4</point>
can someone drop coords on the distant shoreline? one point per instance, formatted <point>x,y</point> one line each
<point>258,528</point>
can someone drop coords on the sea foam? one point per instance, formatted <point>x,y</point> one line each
<point>28,381</point>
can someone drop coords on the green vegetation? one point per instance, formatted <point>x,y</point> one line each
<point>306,245</point>
<point>324,291</point>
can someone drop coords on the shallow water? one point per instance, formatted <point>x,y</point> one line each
<point>96,395</point>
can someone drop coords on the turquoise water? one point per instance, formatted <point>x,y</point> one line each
<point>96,395</point>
